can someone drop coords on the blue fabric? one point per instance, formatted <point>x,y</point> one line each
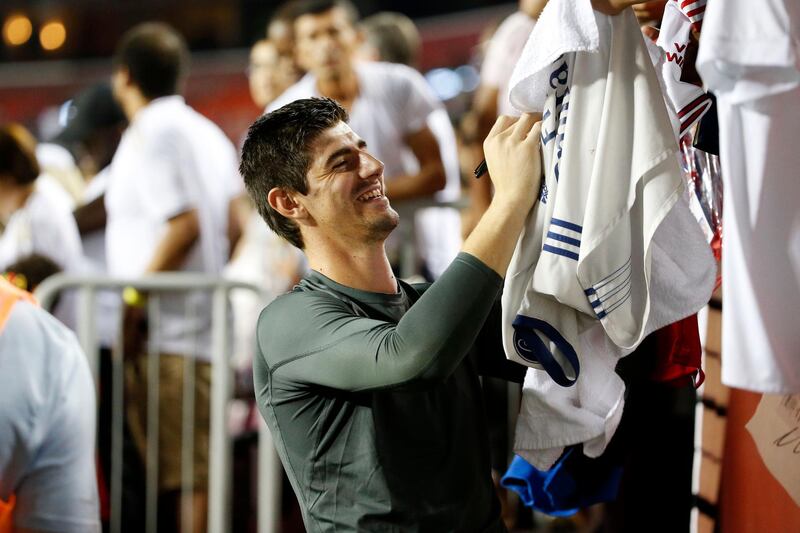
<point>531,348</point>
<point>574,482</point>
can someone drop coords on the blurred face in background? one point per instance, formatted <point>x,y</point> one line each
<point>326,43</point>
<point>261,73</point>
<point>269,73</point>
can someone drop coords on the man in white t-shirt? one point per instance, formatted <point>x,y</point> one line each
<point>47,422</point>
<point>35,221</point>
<point>168,202</point>
<point>391,106</point>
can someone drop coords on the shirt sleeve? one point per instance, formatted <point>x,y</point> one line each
<point>415,100</point>
<point>336,348</point>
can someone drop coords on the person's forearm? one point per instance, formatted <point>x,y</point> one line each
<point>494,238</point>
<point>430,179</point>
<point>427,344</point>
<point>182,232</point>
<point>92,216</point>
<point>238,211</point>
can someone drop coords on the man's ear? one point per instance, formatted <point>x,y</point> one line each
<point>284,203</point>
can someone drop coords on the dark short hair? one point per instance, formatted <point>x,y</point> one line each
<point>276,154</point>
<point>17,155</point>
<point>156,57</point>
<point>298,8</point>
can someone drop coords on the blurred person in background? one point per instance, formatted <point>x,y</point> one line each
<point>491,98</point>
<point>280,32</point>
<point>171,184</point>
<point>35,218</point>
<point>47,422</point>
<point>269,73</point>
<point>28,272</point>
<point>92,132</point>
<point>390,105</point>
<point>390,37</point>
<point>394,38</point>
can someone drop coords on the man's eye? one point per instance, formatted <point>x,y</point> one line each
<point>340,165</point>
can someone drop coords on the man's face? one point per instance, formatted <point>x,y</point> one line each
<point>261,73</point>
<point>325,42</point>
<point>346,195</point>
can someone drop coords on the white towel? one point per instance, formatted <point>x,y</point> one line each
<point>686,103</point>
<point>580,286</point>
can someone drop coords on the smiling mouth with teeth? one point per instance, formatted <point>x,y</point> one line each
<point>370,195</point>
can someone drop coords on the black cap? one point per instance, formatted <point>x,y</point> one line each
<point>92,109</point>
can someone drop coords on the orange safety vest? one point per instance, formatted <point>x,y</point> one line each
<point>9,295</point>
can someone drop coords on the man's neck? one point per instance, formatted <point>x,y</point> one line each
<point>343,88</point>
<point>134,103</point>
<point>364,267</point>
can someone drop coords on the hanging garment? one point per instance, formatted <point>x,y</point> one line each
<point>677,353</point>
<point>749,57</point>
<point>611,251</point>
<point>573,483</point>
<point>686,103</point>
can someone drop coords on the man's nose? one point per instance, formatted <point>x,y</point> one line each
<point>370,166</point>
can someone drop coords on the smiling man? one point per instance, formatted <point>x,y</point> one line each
<point>370,385</point>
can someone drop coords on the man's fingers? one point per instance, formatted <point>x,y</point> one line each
<point>535,131</point>
<point>526,121</point>
<point>502,123</point>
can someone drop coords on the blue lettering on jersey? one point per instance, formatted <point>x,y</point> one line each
<point>558,83</point>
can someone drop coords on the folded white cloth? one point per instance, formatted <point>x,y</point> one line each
<point>588,280</point>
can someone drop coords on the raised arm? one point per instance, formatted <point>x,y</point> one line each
<point>350,352</point>
<point>430,177</point>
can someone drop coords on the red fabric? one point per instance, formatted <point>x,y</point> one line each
<point>678,353</point>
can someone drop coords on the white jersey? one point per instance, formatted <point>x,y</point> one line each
<point>171,159</point>
<point>592,271</point>
<point>395,101</point>
<point>47,425</point>
<point>749,57</point>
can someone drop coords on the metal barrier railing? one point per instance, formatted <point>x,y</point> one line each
<point>220,452</point>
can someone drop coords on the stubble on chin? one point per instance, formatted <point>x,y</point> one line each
<point>383,226</point>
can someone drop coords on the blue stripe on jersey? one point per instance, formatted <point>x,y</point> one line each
<point>563,238</point>
<point>560,251</point>
<point>565,224</point>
